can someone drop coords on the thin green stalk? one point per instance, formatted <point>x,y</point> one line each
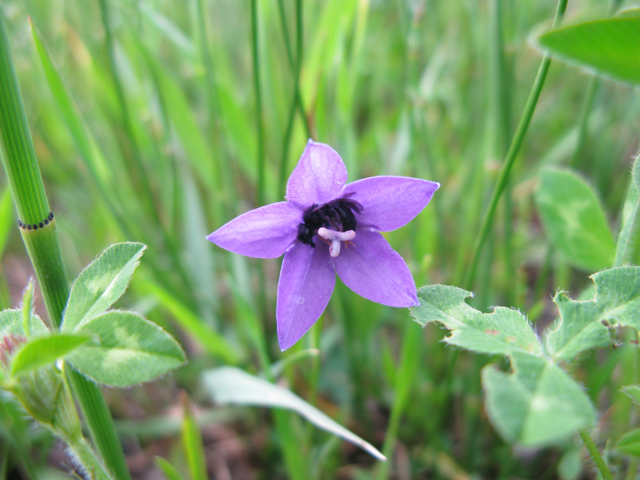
<point>214,112</point>
<point>140,176</point>
<point>595,455</point>
<point>296,97</point>
<point>512,153</point>
<point>287,41</point>
<point>498,124</point>
<point>256,85</point>
<point>583,119</point>
<point>43,244</point>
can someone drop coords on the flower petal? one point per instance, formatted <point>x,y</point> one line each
<point>389,202</point>
<point>265,232</point>
<point>372,269</point>
<point>318,177</point>
<point>306,283</point>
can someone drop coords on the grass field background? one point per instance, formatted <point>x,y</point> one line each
<point>170,143</point>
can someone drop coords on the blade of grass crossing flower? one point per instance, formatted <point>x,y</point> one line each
<point>512,153</point>
<point>43,244</point>
<point>192,441</point>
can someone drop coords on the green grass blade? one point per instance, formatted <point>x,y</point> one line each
<point>257,88</point>
<point>6,218</point>
<point>211,340</point>
<point>192,441</point>
<point>512,153</point>
<point>169,470</point>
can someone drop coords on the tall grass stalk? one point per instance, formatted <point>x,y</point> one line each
<point>512,153</point>
<point>255,52</point>
<point>43,245</point>
<point>297,101</point>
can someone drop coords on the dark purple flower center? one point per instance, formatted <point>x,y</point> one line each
<point>337,215</point>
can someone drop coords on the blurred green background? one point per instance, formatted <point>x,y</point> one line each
<point>166,147</point>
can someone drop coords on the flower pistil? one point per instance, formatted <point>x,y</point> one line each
<point>334,238</point>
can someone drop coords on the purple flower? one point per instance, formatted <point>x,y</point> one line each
<point>326,227</point>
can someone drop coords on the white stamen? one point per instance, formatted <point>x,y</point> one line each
<point>335,238</point>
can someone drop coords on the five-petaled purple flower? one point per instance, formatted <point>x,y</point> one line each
<point>326,227</point>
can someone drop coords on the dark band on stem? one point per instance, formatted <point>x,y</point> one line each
<point>36,226</point>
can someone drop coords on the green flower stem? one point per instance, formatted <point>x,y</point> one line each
<point>512,153</point>
<point>595,455</point>
<point>43,244</point>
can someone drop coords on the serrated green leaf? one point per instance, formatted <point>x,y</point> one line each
<point>130,350</point>
<point>574,220</point>
<point>633,392</point>
<point>611,47</point>
<point>45,350</point>
<point>11,322</point>
<point>585,324</point>
<point>501,332</point>
<point>538,404</point>
<point>102,283</point>
<point>630,443</point>
<point>232,385</point>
